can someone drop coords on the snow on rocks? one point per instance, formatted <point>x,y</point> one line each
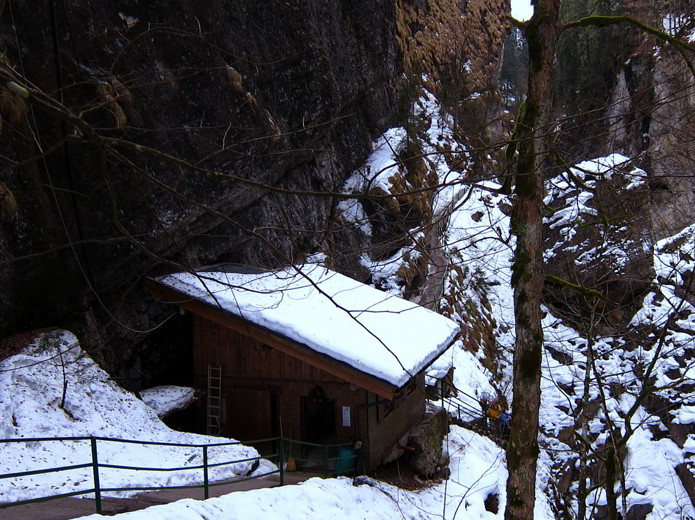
<point>573,198</point>
<point>31,390</point>
<point>384,173</point>
<point>167,398</point>
<point>622,357</point>
<point>479,244</point>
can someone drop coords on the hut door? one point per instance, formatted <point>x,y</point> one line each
<point>319,416</point>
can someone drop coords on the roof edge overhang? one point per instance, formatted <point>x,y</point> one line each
<point>292,348</point>
<point>440,354</point>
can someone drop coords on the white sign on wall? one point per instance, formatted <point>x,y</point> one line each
<point>346,416</point>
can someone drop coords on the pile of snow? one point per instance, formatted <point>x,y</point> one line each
<point>31,389</point>
<point>376,333</point>
<point>167,399</point>
<point>477,471</point>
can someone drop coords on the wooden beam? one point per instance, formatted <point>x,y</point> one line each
<point>290,347</point>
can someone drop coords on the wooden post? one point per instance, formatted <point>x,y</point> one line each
<point>281,453</point>
<point>206,488</point>
<point>281,460</point>
<point>95,470</point>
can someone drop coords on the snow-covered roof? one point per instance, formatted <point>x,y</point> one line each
<point>371,331</point>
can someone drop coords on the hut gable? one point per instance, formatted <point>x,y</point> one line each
<point>320,314</point>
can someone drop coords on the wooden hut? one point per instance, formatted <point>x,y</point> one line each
<point>324,357</point>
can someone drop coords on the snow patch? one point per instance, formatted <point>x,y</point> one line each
<point>167,398</point>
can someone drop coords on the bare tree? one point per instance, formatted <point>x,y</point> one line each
<point>541,32</point>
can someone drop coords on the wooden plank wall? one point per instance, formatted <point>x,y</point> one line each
<point>407,413</point>
<point>249,366</point>
<point>253,373</point>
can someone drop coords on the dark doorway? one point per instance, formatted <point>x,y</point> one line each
<point>319,416</point>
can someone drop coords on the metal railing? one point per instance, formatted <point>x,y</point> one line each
<point>462,410</point>
<point>470,411</point>
<point>343,463</point>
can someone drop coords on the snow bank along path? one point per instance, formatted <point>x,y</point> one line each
<point>31,385</point>
<point>477,470</point>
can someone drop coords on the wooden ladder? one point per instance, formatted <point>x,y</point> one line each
<point>214,426</point>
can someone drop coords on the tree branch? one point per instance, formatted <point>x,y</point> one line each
<point>605,21</point>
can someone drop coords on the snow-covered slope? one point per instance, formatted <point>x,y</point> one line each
<point>31,388</point>
<point>479,297</point>
<point>599,238</point>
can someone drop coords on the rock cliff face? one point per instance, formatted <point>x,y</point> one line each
<point>284,93</point>
<point>166,123</point>
<point>652,116</point>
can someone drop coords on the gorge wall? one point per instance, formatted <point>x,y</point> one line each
<point>289,94</point>
<point>160,126</point>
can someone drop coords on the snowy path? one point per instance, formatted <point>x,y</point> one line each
<point>69,508</point>
<point>477,471</point>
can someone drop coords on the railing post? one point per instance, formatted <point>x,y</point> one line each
<point>95,470</point>
<point>206,488</point>
<point>281,460</point>
<point>325,460</point>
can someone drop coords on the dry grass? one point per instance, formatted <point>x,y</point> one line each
<point>235,79</point>
<point>113,93</point>
<point>8,203</point>
<point>442,37</point>
<point>14,344</point>
<point>12,108</point>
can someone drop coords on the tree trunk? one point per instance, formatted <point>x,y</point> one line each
<point>527,270</point>
<point>611,498</point>
<point>582,492</point>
